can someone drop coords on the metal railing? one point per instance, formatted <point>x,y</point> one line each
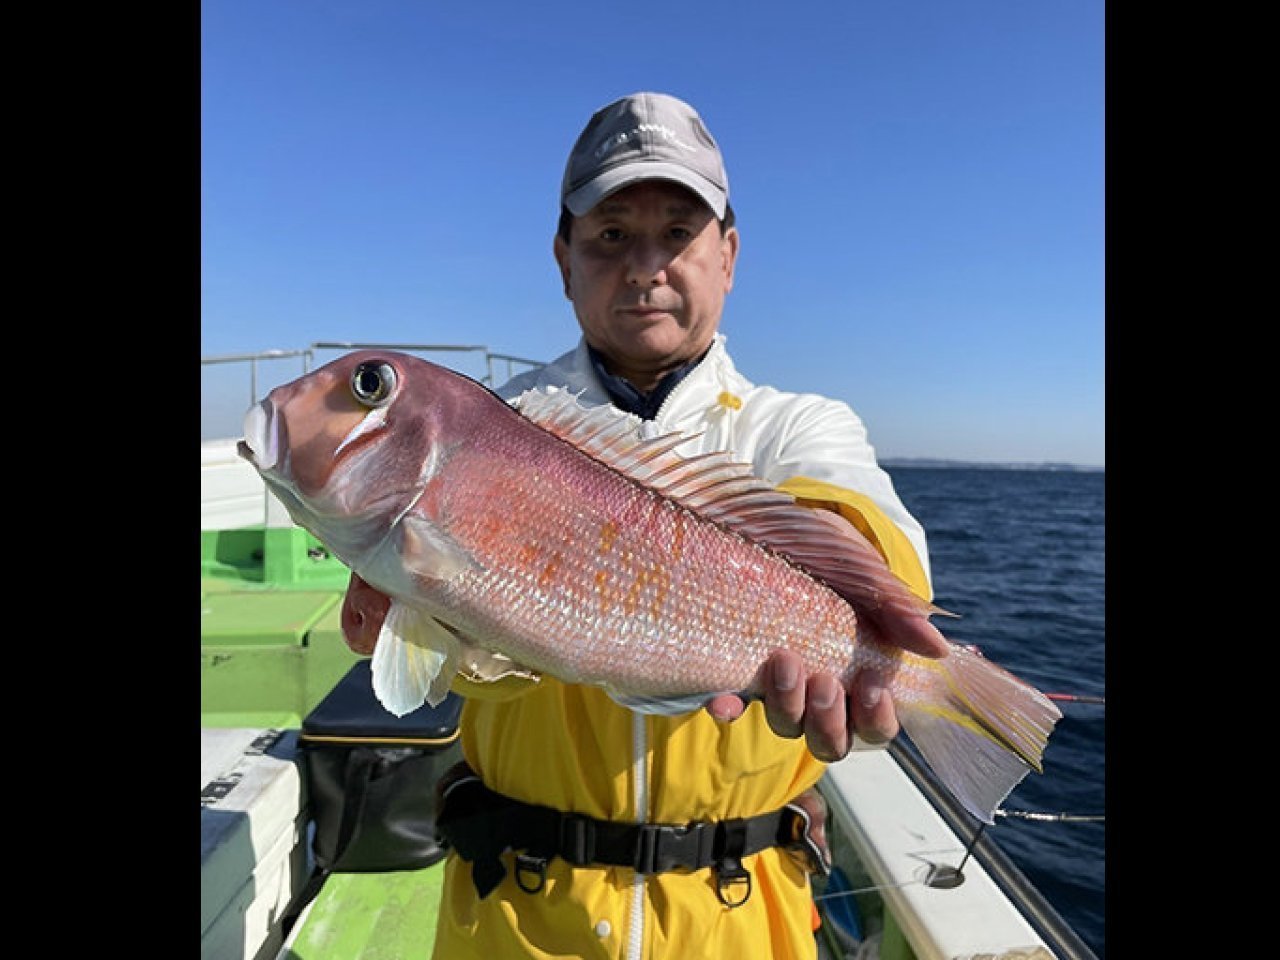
<point>513,363</point>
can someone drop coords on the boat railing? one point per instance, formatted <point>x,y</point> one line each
<point>231,493</point>
<point>1035,907</point>
<point>224,400</point>
<point>307,354</point>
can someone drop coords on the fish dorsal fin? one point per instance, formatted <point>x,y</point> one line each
<point>603,432</point>
<point>610,436</point>
<point>721,489</point>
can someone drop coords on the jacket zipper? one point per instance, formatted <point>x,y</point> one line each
<point>639,730</point>
<point>640,777</point>
<point>715,433</point>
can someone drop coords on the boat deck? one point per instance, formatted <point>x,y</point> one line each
<point>371,916</point>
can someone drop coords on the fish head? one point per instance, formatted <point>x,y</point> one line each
<point>349,447</point>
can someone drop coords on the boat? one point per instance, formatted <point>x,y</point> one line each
<point>913,878</point>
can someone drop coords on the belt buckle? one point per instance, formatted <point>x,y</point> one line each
<point>656,843</point>
<point>647,843</point>
<point>578,839</point>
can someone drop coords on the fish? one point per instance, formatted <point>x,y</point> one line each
<point>542,537</point>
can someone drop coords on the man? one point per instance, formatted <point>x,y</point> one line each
<point>647,248</point>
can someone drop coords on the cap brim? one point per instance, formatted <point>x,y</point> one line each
<point>580,201</point>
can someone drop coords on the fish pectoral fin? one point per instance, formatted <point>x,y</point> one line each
<point>414,661</point>
<point>480,665</point>
<point>428,551</point>
<point>483,666</point>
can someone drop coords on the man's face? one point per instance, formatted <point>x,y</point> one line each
<point>647,271</point>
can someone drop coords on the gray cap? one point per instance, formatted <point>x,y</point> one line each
<point>644,136</point>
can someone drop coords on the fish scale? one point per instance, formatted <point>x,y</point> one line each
<point>602,575</point>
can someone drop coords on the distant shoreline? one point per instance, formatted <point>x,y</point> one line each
<point>933,463</point>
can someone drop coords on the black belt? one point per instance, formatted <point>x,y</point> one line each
<point>481,825</point>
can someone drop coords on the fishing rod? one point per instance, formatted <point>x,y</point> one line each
<point>1062,697</point>
<point>1053,817</point>
<point>1076,698</point>
<point>1045,817</point>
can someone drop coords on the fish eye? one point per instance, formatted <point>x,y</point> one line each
<point>373,382</point>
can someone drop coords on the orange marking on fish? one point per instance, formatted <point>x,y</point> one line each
<point>632,599</point>
<point>650,584</point>
<point>527,555</point>
<point>603,593</point>
<point>608,534</point>
<point>677,537</point>
<point>488,534</point>
<point>662,587</point>
<point>549,571</point>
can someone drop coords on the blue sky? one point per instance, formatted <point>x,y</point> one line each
<point>919,187</point>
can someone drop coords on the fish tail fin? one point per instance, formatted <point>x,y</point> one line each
<point>985,731</point>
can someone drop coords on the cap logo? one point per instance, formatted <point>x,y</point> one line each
<point>618,139</point>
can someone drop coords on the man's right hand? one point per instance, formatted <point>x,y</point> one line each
<point>363,610</point>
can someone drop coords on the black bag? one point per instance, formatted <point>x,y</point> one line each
<point>371,777</point>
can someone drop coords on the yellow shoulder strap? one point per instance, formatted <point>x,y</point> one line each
<point>862,512</point>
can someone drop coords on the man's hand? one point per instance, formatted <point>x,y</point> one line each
<point>363,610</point>
<point>816,707</point>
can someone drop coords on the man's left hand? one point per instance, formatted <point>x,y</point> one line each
<point>816,707</point>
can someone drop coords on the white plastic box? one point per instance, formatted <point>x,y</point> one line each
<point>254,857</point>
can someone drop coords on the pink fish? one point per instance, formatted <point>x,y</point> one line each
<point>546,538</point>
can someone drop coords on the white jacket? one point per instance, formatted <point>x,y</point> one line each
<point>783,435</point>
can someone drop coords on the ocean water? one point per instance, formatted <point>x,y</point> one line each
<point>1019,554</point>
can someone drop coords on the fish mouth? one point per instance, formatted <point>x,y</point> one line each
<point>261,443</point>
